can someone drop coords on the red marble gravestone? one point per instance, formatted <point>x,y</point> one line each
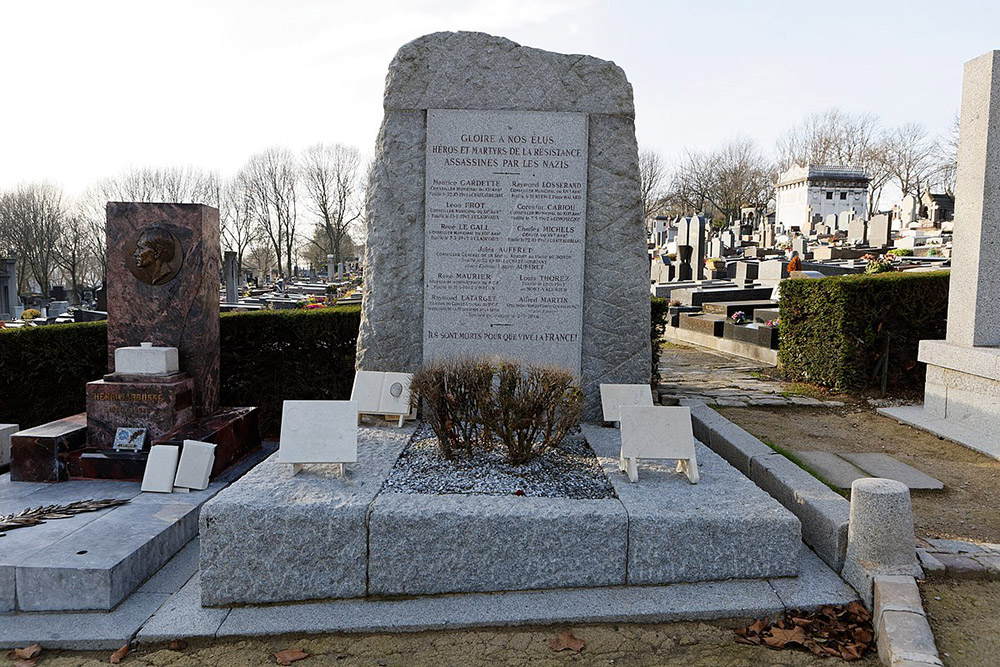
<point>163,288</point>
<point>170,301</point>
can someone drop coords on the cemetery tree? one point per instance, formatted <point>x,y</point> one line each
<point>331,183</point>
<point>652,183</point>
<point>31,216</point>
<point>72,252</point>
<point>270,179</point>
<point>236,218</point>
<point>909,158</point>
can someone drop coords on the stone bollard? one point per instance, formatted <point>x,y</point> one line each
<point>880,539</point>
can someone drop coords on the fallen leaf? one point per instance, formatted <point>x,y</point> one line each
<point>26,663</point>
<point>781,637</point>
<point>288,656</point>
<point>566,641</point>
<point>27,653</point>
<point>119,655</point>
<point>178,645</point>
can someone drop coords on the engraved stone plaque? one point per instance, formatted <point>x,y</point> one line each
<point>130,439</point>
<point>506,198</point>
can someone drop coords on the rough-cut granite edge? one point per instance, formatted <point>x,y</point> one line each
<point>824,514</point>
<point>434,72</point>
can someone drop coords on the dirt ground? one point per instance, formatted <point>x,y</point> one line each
<point>963,616</point>
<point>675,644</point>
<point>967,508</point>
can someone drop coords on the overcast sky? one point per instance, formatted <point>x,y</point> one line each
<point>90,87</point>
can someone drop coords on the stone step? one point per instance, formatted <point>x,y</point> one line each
<point>728,308</point>
<point>712,325</point>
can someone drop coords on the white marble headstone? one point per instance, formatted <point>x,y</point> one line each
<point>658,432</point>
<point>161,467</point>
<point>319,432</point>
<point>613,396</point>
<point>367,390</point>
<point>195,467</point>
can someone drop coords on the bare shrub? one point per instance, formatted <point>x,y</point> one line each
<point>455,393</point>
<point>532,408</point>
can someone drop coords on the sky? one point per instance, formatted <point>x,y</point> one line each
<point>93,87</point>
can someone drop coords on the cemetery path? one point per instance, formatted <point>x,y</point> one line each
<point>674,644</point>
<point>967,509</point>
<point>716,378</point>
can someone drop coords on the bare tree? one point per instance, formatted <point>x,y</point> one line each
<point>331,181</point>
<point>31,216</point>
<point>72,252</point>
<point>722,182</point>
<point>652,183</point>
<point>945,151</point>
<point>236,218</point>
<point>270,178</point>
<point>909,157</point>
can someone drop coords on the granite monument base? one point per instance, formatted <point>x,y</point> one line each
<point>41,454</point>
<point>159,406</point>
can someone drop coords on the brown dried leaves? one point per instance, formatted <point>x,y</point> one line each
<point>843,632</point>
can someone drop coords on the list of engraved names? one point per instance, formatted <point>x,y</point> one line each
<point>506,199</point>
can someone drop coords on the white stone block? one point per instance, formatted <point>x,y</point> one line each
<point>935,399</point>
<point>146,359</point>
<point>367,390</point>
<point>319,432</point>
<point>195,467</point>
<point>161,466</point>
<point>614,396</point>
<point>657,432</point>
<point>6,430</point>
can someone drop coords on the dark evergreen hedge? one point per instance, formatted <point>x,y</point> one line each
<point>271,356</point>
<point>659,316</point>
<point>266,357</point>
<point>43,370</point>
<point>834,331</point>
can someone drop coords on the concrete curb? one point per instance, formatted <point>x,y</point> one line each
<point>824,514</point>
<point>902,632</point>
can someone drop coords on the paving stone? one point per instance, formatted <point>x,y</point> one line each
<point>962,567</point>
<point>930,564</point>
<point>183,617</point>
<point>816,585</point>
<point>991,563</point>
<point>883,465</point>
<point>832,468</point>
<point>895,593</point>
<point>955,546</point>
<point>905,636</point>
<point>85,631</point>
<point>734,599</point>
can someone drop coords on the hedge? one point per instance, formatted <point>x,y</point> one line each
<point>835,331</point>
<point>271,356</point>
<point>659,316</point>
<point>266,357</point>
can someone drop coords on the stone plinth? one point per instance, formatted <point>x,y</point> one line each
<point>475,72</point>
<point>235,432</point>
<point>158,407</point>
<point>163,264</point>
<point>41,454</point>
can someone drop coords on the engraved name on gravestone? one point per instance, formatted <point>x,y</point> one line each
<point>506,198</point>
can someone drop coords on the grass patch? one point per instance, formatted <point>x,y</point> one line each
<point>805,466</point>
<point>804,389</point>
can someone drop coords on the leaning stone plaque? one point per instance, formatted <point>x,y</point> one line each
<point>129,439</point>
<point>506,197</point>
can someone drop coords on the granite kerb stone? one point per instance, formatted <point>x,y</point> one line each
<point>272,537</point>
<point>428,544</point>
<point>723,527</point>
<point>825,515</point>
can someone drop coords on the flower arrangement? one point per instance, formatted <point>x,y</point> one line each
<point>30,314</point>
<point>773,324</point>
<point>900,252</point>
<point>314,303</point>
<point>739,317</point>
<point>881,264</point>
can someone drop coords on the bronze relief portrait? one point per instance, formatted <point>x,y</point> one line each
<point>156,255</point>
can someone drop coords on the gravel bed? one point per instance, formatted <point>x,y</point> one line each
<point>568,471</point>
